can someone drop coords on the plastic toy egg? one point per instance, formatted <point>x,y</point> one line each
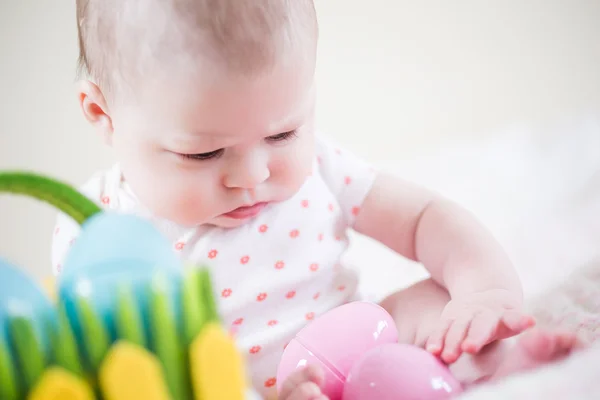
<point>112,244</point>
<point>25,316</point>
<point>400,372</point>
<point>335,340</point>
<point>119,262</point>
<point>116,250</point>
<point>21,296</point>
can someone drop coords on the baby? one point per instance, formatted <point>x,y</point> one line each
<point>209,106</point>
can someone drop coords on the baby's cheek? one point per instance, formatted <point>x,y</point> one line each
<point>297,165</point>
<point>158,195</point>
<point>294,161</point>
<point>289,172</point>
<point>168,194</point>
<point>188,203</point>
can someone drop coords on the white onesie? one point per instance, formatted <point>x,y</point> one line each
<point>273,274</point>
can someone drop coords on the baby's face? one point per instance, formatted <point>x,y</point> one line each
<point>196,152</point>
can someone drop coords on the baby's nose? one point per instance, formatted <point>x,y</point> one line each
<point>248,174</point>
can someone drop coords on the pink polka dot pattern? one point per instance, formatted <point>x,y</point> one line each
<point>279,270</point>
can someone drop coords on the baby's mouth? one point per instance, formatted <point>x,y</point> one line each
<point>246,212</point>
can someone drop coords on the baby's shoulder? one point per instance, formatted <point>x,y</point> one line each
<point>102,185</point>
<point>66,230</point>
<point>348,176</point>
<point>334,160</point>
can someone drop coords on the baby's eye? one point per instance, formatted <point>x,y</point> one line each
<point>280,137</point>
<point>204,156</point>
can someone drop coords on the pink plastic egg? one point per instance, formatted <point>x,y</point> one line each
<point>400,372</point>
<point>335,341</point>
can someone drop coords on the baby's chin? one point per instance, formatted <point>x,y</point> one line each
<point>228,223</point>
<point>219,222</point>
<point>189,220</point>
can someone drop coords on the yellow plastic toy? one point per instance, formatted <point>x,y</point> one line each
<point>124,321</point>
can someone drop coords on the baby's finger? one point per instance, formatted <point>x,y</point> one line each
<point>305,391</point>
<point>481,332</point>
<point>311,373</point>
<point>435,342</point>
<point>517,322</point>
<point>454,338</point>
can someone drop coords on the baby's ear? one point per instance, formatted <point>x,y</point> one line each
<point>95,108</point>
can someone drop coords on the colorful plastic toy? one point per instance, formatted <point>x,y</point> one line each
<point>129,322</point>
<point>357,347</point>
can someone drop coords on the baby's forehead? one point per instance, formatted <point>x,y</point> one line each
<point>133,39</point>
<point>271,104</point>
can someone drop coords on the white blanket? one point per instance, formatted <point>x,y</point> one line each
<point>574,306</point>
<point>576,378</point>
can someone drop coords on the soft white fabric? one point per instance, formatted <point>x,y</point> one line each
<point>274,273</point>
<point>574,306</point>
<point>574,378</point>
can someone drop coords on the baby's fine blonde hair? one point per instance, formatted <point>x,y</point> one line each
<point>120,40</point>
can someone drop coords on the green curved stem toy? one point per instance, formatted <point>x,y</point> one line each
<point>62,343</point>
<point>59,194</point>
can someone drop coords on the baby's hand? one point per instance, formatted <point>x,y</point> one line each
<point>475,320</point>
<point>304,384</point>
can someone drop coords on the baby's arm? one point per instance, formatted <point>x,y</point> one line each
<point>460,254</point>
